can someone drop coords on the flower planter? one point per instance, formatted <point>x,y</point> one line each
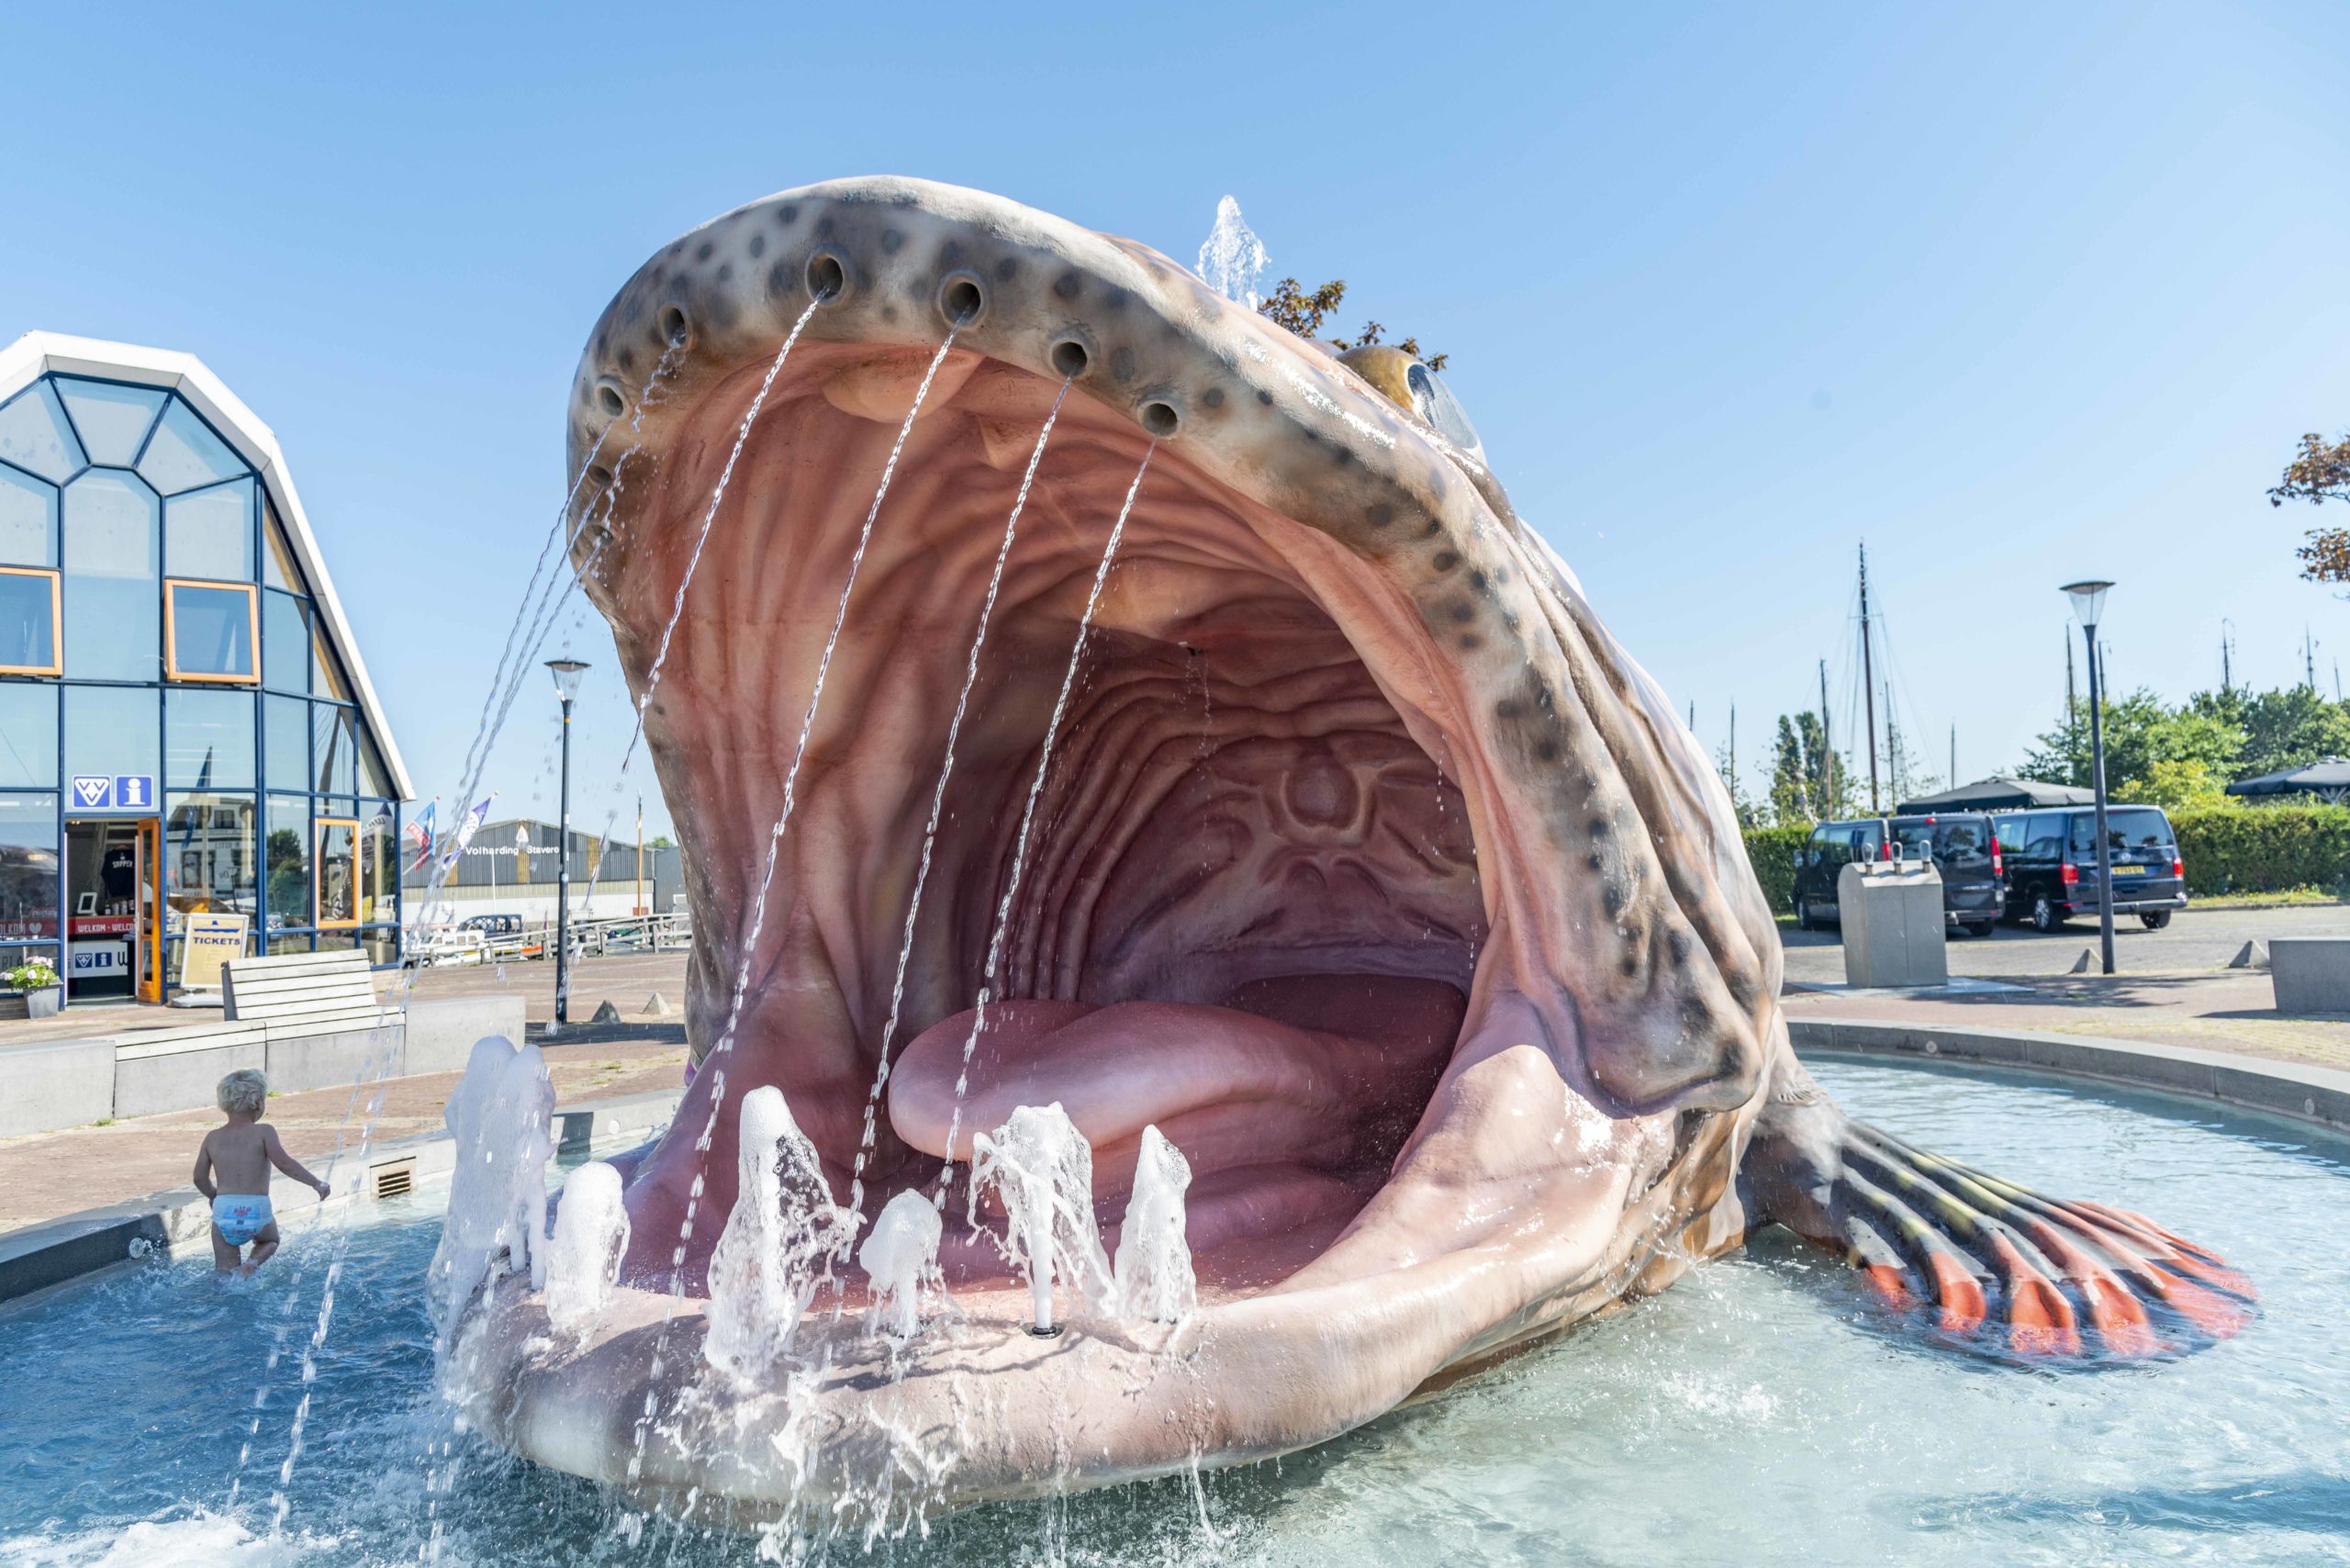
<point>45,1001</point>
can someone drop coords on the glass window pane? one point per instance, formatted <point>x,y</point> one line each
<point>113,420</point>
<point>284,643</point>
<point>111,606</point>
<point>286,943</point>
<point>383,945</point>
<point>374,779</point>
<point>210,533</point>
<point>338,866</point>
<point>28,520</point>
<point>28,622</point>
<point>29,866</point>
<point>212,633</point>
<point>277,566</point>
<point>34,435</point>
<point>326,674</point>
<point>111,729</point>
<point>285,728</point>
<point>27,734</point>
<point>207,740</point>
<point>209,866</point>
<point>183,453</point>
<point>378,862</point>
<point>332,749</point>
<point>289,863</point>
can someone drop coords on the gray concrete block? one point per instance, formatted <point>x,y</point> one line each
<point>182,1080</point>
<point>1894,932</point>
<point>333,1059</point>
<point>48,1084</point>
<point>2312,974</point>
<point>442,1032</point>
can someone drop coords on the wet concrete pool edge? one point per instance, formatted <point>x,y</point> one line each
<point>60,1251</point>
<point>2296,1092</point>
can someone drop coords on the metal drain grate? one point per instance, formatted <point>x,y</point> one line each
<point>394,1181</point>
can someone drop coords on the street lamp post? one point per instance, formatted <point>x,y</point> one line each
<point>2088,604</point>
<point>567,686</point>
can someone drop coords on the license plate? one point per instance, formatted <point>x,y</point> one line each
<point>2128,870</point>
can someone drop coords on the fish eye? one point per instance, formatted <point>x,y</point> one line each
<point>1434,402</point>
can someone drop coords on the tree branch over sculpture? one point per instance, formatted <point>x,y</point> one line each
<point>2320,473</point>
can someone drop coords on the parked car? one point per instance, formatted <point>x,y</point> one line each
<point>2051,857</point>
<point>492,925</point>
<point>1960,844</point>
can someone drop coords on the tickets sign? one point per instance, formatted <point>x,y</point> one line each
<point>207,942</point>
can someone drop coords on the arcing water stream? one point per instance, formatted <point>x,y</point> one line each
<point>1028,815</point>
<point>939,807</point>
<point>716,1060</point>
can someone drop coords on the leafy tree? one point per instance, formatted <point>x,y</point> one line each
<point>2284,728</point>
<point>2320,473</point>
<point>1807,784</point>
<point>2140,731</point>
<point>2177,786</point>
<point>1303,313</point>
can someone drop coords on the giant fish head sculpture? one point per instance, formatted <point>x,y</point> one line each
<point>1320,826</point>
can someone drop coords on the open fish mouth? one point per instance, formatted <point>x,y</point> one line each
<point>1325,830</point>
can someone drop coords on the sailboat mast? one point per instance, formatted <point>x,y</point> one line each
<point>1868,680</point>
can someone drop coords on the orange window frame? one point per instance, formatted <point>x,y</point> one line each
<point>318,873</point>
<point>56,664</point>
<point>172,670</point>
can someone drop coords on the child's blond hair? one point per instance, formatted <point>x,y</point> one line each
<point>245,1092</point>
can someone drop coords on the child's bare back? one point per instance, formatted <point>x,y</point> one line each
<point>232,1169</point>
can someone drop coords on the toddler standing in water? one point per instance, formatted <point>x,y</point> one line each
<point>232,1169</point>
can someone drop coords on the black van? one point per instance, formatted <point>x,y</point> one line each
<point>2051,857</point>
<point>1960,844</point>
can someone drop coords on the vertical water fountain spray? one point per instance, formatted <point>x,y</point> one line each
<point>1041,1169</point>
<point>501,1119</point>
<point>784,1226</point>
<point>1028,818</point>
<point>1153,1270</point>
<point>900,1256</point>
<point>590,1238</point>
<point>716,1060</point>
<point>939,807</point>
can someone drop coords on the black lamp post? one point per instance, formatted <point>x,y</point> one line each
<point>2088,604</point>
<point>567,686</point>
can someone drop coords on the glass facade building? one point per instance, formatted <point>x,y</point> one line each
<point>186,728</point>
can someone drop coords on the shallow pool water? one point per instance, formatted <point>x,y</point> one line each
<point>1758,1412</point>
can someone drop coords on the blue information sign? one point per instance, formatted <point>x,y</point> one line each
<point>114,792</point>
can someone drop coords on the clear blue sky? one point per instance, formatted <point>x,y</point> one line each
<point>2014,292</point>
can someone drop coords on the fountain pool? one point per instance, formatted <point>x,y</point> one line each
<point>1762,1411</point>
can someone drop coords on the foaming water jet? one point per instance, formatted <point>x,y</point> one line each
<point>784,1224</point>
<point>1041,1169</point>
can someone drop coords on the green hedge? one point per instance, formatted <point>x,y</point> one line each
<point>1772,850</point>
<point>2264,850</point>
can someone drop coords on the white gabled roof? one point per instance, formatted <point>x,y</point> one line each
<point>37,353</point>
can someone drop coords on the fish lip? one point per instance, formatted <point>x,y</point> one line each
<point>1327,454</point>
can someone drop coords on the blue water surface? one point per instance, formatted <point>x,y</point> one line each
<point>1760,1411</point>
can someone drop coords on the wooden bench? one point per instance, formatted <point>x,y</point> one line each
<point>305,993</point>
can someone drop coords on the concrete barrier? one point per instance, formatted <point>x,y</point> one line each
<point>300,1060</point>
<point>2298,1090</point>
<point>48,1084</point>
<point>2312,974</point>
<point>441,1030</point>
<point>180,1075</point>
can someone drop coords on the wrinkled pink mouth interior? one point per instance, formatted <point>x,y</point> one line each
<point>1250,912</point>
